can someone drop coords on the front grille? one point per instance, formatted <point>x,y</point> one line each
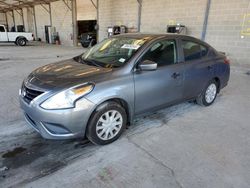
<point>30,94</point>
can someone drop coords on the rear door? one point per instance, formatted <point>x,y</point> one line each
<point>157,88</point>
<point>3,34</point>
<point>199,67</point>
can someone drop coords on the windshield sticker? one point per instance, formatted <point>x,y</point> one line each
<point>130,46</point>
<point>122,60</point>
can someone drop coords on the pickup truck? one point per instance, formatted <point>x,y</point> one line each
<point>19,38</point>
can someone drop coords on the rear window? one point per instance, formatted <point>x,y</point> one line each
<point>193,51</point>
<point>2,29</point>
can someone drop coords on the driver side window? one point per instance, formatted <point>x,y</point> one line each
<point>162,52</point>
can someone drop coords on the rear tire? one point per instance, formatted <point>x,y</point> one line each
<point>21,42</point>
<point>107,123</point>
<point>208,96</point>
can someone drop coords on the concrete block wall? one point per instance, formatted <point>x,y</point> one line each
<point>42,19</point>
<point>2,18</point>
<point>18,17</point>
<point>29,20</point>
<point>224,30</point>
<point>156,15</point>
<point>62,20</point>
<point>10,20</point>
<point>117,12</point>
<point>105,18</point>
<point>86,10</point>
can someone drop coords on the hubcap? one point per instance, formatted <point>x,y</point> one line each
<point>109,125</point>
<point>211,93</point>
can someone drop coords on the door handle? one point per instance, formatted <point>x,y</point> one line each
<point>175,75</point>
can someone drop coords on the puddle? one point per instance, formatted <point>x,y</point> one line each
<point>14,153</point>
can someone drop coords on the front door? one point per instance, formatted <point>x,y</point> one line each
<point>162,86</point>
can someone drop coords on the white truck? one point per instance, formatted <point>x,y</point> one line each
<point>19,38</point>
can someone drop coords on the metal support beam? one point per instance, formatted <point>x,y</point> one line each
<point>74,23</point>
<point>45,8</point>
<point>67,5</point>
<point>93,4</point>
<point>6,20</point>
<point>204,29</point>
<point>97,17</point>
<point>34,17</point>
<point>139,15</point>
<point>13,17</point>
<point>48,10</point>
<point>23,18</point>
<point>50,15</point>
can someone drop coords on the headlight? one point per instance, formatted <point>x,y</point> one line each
<point>67,98</point>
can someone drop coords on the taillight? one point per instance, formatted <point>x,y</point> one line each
<point>226,61</point>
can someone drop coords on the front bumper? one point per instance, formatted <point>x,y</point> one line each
<point>58,124</point>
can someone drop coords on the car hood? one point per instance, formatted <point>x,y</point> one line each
<point>65,74</point>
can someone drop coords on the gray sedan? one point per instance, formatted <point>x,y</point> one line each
<point>98,93</point>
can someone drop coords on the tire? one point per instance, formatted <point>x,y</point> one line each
<point>92,43</point>
<point>99,124</point>
<point>208,96</point>
<point>21,42</point>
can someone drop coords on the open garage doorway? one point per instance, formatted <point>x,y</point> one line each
<point>87,33</point>
<point>87,22</point>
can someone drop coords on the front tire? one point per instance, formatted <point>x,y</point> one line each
<point>107,123</point>
<point>208,96</point>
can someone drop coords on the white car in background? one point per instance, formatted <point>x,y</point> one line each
<point>19,38</point>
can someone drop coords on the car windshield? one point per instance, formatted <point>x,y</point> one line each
<point>113,52</point>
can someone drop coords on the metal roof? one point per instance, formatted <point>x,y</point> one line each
<point>8,5</point>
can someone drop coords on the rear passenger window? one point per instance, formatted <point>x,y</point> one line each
<point>193,51</point>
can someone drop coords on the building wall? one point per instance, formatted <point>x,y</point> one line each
<point>2,18</point>
<point>224,30</point>
<point>86,10</point>
<point>62,21</point>
<point>105,19</point>
<point>10,20</point>
<point>42,19</point>
<point>18,17</point>
<point>29,20</point>
<point>156,15</point>
<point>117,12</point>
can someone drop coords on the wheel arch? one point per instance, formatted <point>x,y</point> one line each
<point>218,83</point>
<point>19,37</point>
<point>117,100</point>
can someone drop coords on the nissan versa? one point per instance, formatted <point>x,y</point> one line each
<point>98,93</point>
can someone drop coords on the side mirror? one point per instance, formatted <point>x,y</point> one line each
<point>148,65</point>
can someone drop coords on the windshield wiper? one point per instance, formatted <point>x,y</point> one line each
<point>92,62</point>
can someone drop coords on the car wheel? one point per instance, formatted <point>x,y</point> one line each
<point>208,96</point>
<point>21,42</point>
<point>107,123</point>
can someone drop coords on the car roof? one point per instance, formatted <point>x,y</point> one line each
<point>155,36</point>
<point>151,36</point>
